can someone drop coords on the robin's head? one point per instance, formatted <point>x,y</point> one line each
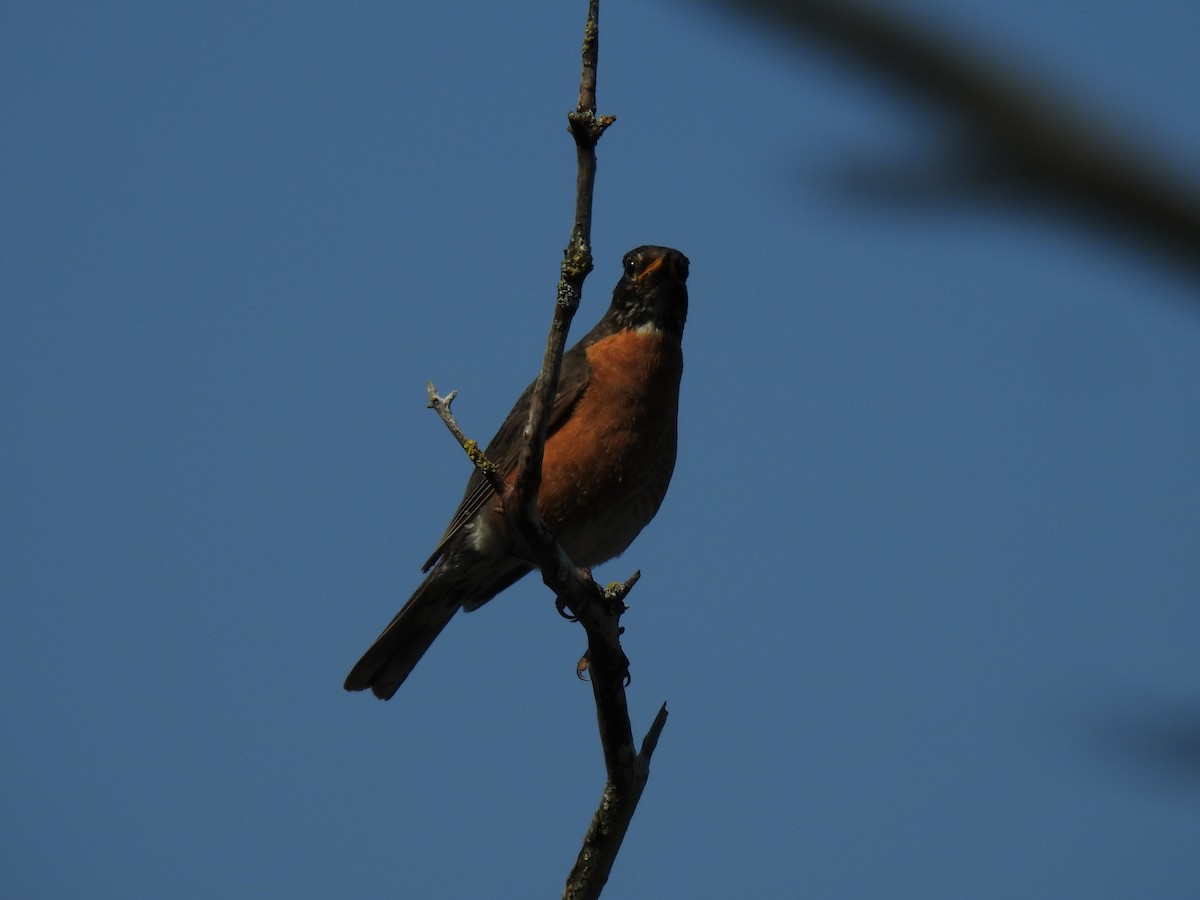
<point>652,293</point>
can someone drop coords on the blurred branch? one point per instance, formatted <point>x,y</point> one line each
<point>1019,134</point>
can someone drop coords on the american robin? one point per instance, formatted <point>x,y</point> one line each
<point>610,451</point>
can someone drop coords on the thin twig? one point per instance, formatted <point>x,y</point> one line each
<point>441,405</point>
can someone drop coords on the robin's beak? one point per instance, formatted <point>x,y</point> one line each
<point>656,264</point>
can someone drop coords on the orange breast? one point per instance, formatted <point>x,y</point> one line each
<point>607,468</point>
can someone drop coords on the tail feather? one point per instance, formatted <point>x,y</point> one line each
<point>400,647</point>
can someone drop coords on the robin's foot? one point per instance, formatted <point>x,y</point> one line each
<point>561,605</point>
<point>583,667</point>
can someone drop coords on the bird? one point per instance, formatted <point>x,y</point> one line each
<point>609,455</point>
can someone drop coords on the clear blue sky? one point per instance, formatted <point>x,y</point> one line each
<point>922,599</point>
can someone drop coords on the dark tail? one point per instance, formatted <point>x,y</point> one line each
<point>400,647</point>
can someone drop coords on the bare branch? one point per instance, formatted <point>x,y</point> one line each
<point>597,610</point>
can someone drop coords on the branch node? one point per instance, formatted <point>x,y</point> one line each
<point>615,593</point>
<point>587,127</point>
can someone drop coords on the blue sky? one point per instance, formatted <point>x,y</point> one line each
<point>921,600</point>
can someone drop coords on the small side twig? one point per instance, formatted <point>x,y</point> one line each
<point>479,459</point>
<point>650,741</point>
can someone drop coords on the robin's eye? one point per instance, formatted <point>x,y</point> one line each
<point>630,266</point>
